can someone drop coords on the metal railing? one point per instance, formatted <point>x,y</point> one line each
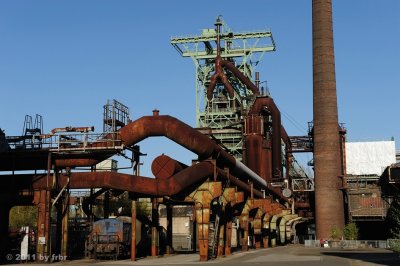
<point>349,243</point>
<point>67,142</point>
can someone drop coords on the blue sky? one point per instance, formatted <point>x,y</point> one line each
<point>64,59</point>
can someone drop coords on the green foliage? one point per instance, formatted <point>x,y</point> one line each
<point>393,218</point>
<point>394,244</point>
<point>335,233</point>
<point>350,231</point>
<point>23,216</point>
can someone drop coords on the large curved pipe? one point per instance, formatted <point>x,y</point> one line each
<point>219,75</point>
<point>165,167</point>
<point>137,184</point>
<point>237,73</point>
<point>257,108</point>
<point>184,135</point>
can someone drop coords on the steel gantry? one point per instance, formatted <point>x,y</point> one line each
<point>244,50</point>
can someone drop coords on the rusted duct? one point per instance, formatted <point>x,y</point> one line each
<point>137,184</point>
<point>164,166</point>
<point>219,75</point>
<point>171,128</point>
<point>181,133</point>
<point>237,73</point>
<point>219,63</point>
<point>329,208</point>
<point>261,105</point>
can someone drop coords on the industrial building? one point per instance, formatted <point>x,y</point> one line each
<point>241,191</point>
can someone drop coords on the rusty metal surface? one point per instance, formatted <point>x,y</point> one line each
<point>237,73</point>
<point>219,75</point>
<point>170,127</point>
<point>327,162</point>
<point>164,166</point>
<point>139,184</point>
<point>263,104</point>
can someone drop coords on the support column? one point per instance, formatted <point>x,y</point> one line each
<point>4,220</point>
<point>64,226</point>
<point>228,237</point>
<point>106,205</point>
<point>265,229</point>
<point>257,229</point>
<point>169,229</point>
<point>133,231</point>
<point>221,239</point>
<point>203,219</point>
<point>43,226</point>
<point>203,197</point>
<point>57,245</point>
<point>194,230</point>
<point>229,199</point>
<point>154,231</point>
<point>244,224</point>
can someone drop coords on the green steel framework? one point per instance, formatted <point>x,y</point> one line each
<point>222,115</point>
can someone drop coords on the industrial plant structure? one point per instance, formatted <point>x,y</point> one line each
<point>242,183</point>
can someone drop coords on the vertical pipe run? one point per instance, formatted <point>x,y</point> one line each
<point>328,197</point>
<point>64,243</point>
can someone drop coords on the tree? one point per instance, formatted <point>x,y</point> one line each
<point>23,216</point>
<point>393,218</point>
<point>335,233</point>
<point>350,231</point>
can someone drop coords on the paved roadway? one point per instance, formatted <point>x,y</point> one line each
<point>286,255</point>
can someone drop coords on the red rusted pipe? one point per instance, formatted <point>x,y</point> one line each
<point>246,81</point>
<point>164,166</point>
<point>159,125</point>
<point>260,105</point>
<point>138,184</point>
<point>219,75</point>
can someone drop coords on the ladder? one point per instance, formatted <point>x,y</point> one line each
<point>213,233</point>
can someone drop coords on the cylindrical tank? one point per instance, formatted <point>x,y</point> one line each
<point>328,198</point>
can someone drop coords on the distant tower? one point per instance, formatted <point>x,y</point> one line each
<point>329,208</point>
<point>222,113</point>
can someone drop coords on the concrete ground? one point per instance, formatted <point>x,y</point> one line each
<point>286,255</point>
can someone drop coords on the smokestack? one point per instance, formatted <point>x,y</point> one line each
<point>329,209</point>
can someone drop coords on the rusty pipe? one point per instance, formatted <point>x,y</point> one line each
<point>67,129</point>
<point>137,184</point>
<point>183,134</point>
<point>237,73</point>
<point>164,166</point>
<point>240,184</point>
<point>260,105</point>
<point>219,75</point>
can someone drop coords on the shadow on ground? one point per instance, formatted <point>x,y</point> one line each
<point>383,258</point>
